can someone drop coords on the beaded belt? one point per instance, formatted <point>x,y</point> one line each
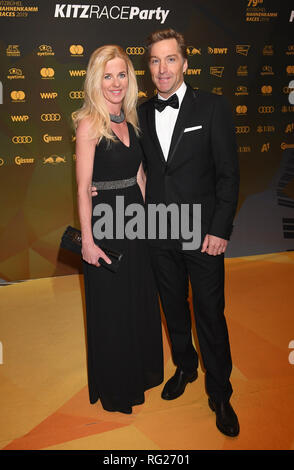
<point>118,184</point>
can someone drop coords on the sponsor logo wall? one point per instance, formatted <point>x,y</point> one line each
<point>246,55</point>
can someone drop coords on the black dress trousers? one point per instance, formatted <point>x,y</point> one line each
<point>173,268</point>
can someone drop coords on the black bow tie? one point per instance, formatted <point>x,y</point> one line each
<point>160,105</point>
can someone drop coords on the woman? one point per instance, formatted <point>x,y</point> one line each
<point>122,310</point>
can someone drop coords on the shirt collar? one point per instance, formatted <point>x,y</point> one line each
<point>180,92</point>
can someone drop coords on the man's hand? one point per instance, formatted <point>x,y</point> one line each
<point>94,191</point>
<point>214,245</point>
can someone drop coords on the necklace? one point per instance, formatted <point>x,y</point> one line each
<point>118,119</point>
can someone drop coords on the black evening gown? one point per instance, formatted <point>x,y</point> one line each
<point>124,337</point>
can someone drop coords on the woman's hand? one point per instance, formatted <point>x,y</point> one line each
<point>91,253</point>
<point>94,191</point>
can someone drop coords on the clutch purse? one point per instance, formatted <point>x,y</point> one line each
<point>72,240</point>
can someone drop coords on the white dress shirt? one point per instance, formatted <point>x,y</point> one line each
<point>166,120</point>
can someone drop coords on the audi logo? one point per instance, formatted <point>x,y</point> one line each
<point>77,95</point>
<point>22,139</point>
<point>266,109</point>
<point>242,129</point>
<point>135,50</point>
<point>51,117</point>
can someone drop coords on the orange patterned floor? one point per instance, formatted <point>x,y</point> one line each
<point>44,397</point>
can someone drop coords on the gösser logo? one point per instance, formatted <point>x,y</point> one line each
<point>135,50</point>
<point>22,139</point>
<point>51,117</point>
<point>20,160</point>
<point>266,109</point>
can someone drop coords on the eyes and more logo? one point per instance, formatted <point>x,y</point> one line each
<point>106,12</point>
<point>15,74</point>
<point>45,50</point>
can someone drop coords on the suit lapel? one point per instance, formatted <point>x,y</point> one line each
<point>152,129</point>
<point>185,112</point>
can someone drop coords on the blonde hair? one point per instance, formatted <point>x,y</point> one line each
<point>94,106</point>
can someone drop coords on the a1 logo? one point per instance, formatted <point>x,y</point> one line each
<point>291,355</point>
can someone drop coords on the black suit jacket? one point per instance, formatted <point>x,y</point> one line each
<point>202,165</point>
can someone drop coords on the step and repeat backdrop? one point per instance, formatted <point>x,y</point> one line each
<point>243,49</point>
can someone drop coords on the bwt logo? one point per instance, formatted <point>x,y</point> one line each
<point>291,355</point>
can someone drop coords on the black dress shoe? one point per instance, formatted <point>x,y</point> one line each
<point>176,385</point>
<point>127,410</point>
<point>226,418</point>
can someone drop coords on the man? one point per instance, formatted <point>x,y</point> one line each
<point>191,157</point>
